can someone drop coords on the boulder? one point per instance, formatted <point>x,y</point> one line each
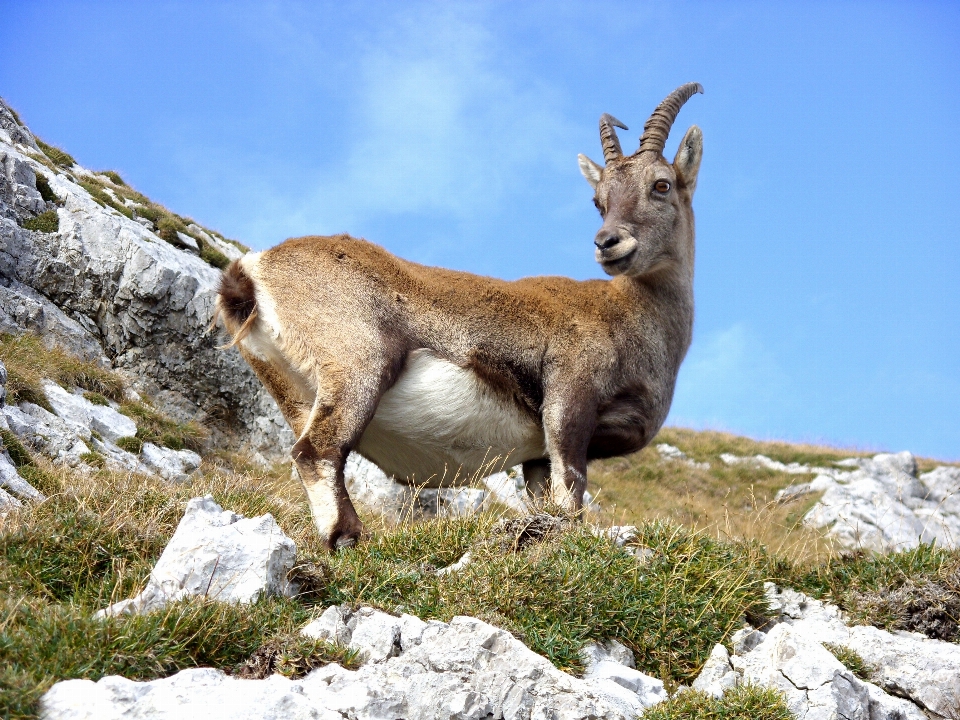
<point>465,669</point>
<point>46,433</point>
<point>10,480</point>
<point>172,465</point>
<point>84,416</point>
<point>218,554</point>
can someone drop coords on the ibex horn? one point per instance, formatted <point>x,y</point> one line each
<point>657,128</point>
<point>608,137</point>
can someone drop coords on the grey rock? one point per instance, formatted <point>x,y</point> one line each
<point>450,502</point>
<point>464,670</point>
<point>907,664</point>
<point>172,465</point>
<point>218,554</point>
<point>188,242</point>
<point>814,683</point>
<point>3,384</point>
<point>609,651</point>
<point>675,454</point>
<point>84,416</point>
<point>46,433</point>
<point>15,131</point>
<point>717,675</point>
<point>7,501</point>
<point>11,480</point>
<point>106,285</point>
<point>882,505</point>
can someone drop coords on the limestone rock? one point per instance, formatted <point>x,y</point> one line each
<point>83,416</point>
<point>815,684</point>
<point>464,670</point>
<point>883,506</point>
<point>46,433</point>
<point>219,554</point>
<point>105,286</point>
<point>172,465</point>
<point>3,385</point>
<point>10,480</point>
<point>717,675</point>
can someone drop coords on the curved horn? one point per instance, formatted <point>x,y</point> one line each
<point>657,128</point>
<point>608,137</point>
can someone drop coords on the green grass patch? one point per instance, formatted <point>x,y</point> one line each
<point>210,255</point>
<point>29,361</point>
<point>43,187</point>
<point>155,427</point>
<point>746,702</point>
<point>46,222</point>
<point>114,177</point>
<point>42,643</point>
<point>56,155</point>
<point>131,444</point>
<point>560,594</point>
<point>851,660</point>
<point>18,453</point>
<point>94,459</point>
<point>102,198</point>
<point>96,398</point>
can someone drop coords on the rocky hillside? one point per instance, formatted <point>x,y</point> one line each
<point>89,264</point>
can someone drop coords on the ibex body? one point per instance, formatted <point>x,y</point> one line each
<point>431,373</point>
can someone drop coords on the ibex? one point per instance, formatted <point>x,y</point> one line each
<point>430,373</point>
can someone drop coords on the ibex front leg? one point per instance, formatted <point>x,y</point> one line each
<point>569,420</point>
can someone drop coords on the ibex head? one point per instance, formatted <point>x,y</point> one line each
<point>645,202</point>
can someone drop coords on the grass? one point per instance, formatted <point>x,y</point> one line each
<point>29,362</point>
<point>851,660</point>
<point>114,177</point>
<point>746,701</point>
<point>46,222</point>
<point>96,191</point>
<point>155,427</point>
<point>56,155</point>
<point>43,187</point>
<point>734,502</point>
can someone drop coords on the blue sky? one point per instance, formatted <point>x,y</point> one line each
<point>828,267</point>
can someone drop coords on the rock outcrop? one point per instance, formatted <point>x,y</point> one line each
<point>910,675</point>
<point>882,504</point>
<point>464,669</point>
<point>217,554</point>
<point>106,287</point>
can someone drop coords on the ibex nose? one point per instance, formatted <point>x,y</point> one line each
<point>606,239</point>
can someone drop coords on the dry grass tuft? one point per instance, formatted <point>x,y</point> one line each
<point>29,361</point>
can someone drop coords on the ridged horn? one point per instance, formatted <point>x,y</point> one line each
<point>608,137</point>
<point>657,128</point>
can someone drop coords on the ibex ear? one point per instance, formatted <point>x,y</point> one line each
<point>591,171</point>
<point>687,162</point>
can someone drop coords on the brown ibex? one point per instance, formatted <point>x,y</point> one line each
<point>430,373</point>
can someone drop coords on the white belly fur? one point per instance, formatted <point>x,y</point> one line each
<point>440,424</point>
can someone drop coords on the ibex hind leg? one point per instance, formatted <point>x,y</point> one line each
<point>348,390</point>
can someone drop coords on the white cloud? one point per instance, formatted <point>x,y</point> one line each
<point>438,124</point>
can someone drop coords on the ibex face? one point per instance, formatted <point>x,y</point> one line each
<point>645,202</point>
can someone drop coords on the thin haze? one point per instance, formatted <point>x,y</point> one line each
<point>827,208</point>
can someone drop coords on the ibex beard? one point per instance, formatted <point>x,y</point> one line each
<point>430,373</point>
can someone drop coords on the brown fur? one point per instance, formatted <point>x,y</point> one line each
<point>334,321</point>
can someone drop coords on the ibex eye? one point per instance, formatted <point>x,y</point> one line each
<point>661,186</point>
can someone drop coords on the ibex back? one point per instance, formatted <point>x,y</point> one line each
<point>431,373</point>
